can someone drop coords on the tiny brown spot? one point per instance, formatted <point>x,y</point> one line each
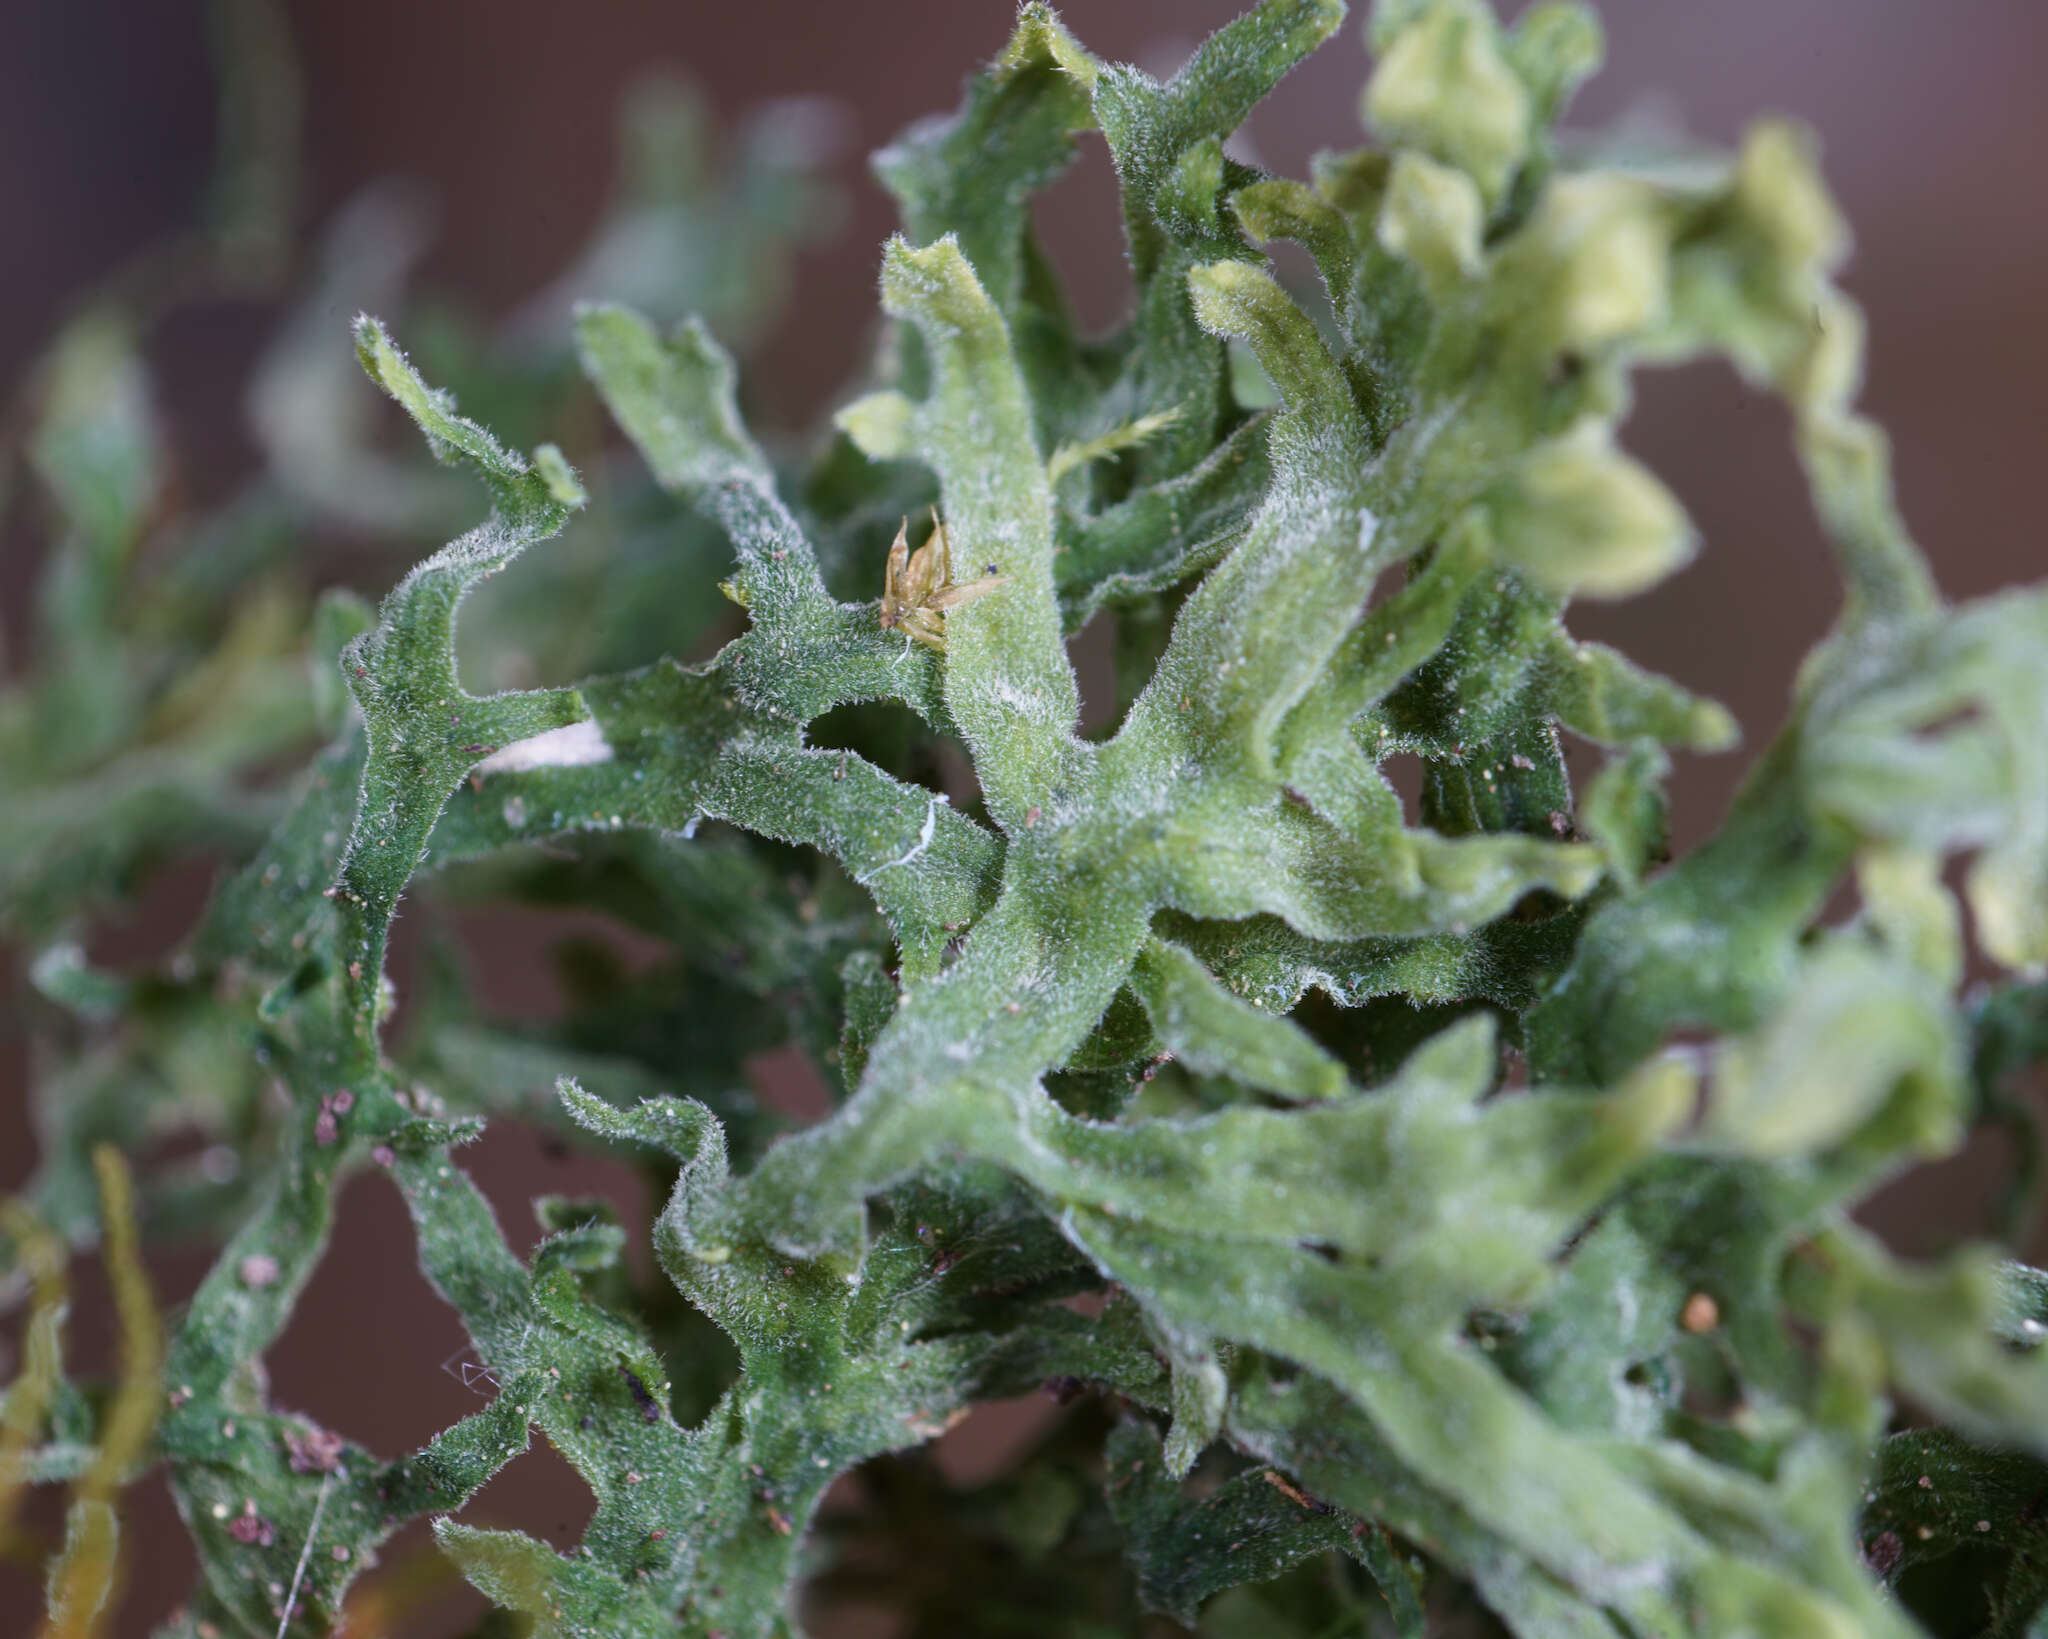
<point>1700,1314</point>
<point>316,1451</point>
<point>1031,817</point>
<point>1883,1552</point>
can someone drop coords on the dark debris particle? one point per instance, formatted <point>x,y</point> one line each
<point>650,1411</point>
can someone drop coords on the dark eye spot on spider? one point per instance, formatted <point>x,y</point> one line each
<point>650,1412</point>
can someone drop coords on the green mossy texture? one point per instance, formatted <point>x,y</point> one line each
<point>1438,1227</point>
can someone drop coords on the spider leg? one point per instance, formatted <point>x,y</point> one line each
<point>954,596</point>
<point>929,629</point>
<point>922,580</point>
<point>892,576</point>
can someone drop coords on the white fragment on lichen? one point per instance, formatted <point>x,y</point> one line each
<point>572,747</point>
<point>305,1554</point>
<point>924,841</point>
<point>1626,1307</point>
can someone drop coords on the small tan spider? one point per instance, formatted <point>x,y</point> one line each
<point>917,587</point>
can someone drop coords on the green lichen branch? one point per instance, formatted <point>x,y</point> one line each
<point>1466,1192</point>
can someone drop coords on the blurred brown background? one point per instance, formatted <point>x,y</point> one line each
<point>1934,125</point>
